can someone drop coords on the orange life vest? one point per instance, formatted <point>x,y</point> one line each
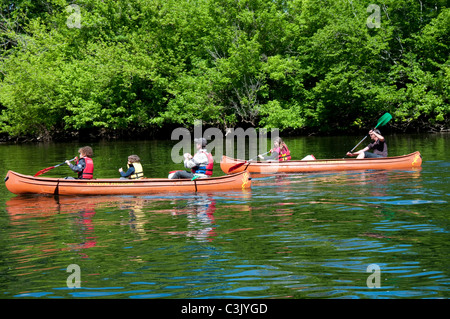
<point>283,153</point>
<point>88,172</point>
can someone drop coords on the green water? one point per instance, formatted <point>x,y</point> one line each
<point>289,237</point>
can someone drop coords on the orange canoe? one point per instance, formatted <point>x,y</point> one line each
<point>346,164</point>
<point>27,184</point>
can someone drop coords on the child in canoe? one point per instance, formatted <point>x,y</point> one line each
<point>135,170</point>
<point>85,165</point>
<point>279,152</point>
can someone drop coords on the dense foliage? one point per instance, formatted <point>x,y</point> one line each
<point>299,65</point>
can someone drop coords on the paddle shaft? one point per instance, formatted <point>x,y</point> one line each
<point>254,159</point>
<point>64,162</point>
<point>232,168</point>
<point>359,143</point>
<point>257,156</point>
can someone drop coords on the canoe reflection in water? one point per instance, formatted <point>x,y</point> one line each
<point>92,218</point>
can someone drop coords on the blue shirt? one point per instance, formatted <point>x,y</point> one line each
<point>128,173</point>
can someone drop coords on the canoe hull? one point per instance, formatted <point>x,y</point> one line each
<point>26,184</point>
<point>397,162</point>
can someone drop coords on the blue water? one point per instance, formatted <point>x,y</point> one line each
<point>291,236</point>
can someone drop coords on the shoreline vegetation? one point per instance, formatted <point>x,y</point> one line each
<point>120,69</point>
<point>86,136</point>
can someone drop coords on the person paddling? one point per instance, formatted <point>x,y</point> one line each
<point>135,170</point>
<point>85,165</point>
<point>378,146</point>
<point>201,164</point>
<point>279,151</point>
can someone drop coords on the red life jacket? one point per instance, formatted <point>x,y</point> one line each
<point>284,154</point>
<point>208,169</point>
<point>88,172</point>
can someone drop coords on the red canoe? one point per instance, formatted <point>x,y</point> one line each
<point>346,164</point>
<point>26,184</point>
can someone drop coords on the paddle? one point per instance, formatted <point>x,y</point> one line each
<point>234,167</point>
<point>382,121</point>
<point>45,170</point>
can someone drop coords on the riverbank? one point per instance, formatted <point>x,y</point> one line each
<point>98,134</point>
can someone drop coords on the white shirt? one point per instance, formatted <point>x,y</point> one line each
<point>199,159</point>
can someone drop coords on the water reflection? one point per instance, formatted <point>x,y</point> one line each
<point>146,215</point>
<point>25,211</point>
<point>348,190</point>
<point>199,210</point>
<point>64,229</point>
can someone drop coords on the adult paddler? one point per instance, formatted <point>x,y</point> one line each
<point>201,164</point>
<point>378,146</point>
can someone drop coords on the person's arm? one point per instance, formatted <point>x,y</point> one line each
<point>188,162</point>
<point>380,137</point>
<point>127,173</point>
<point>274,156</point>
<point>78,167</point>
<point>199,159</point>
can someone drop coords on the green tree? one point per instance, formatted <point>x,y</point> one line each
<point>302,65</point>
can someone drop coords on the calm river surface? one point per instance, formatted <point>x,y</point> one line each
<point>289,237</point>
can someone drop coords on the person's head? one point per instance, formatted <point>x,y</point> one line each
<point>278,142</point>
<point>200,142</point>
<point>86,151</point>
<point>373,136</point>
<point>134,159</point>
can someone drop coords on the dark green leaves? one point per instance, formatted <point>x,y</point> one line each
<point>318,66</point>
